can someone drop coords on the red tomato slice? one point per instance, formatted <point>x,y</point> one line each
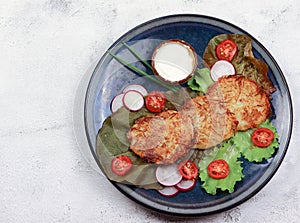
<point>188,170</point>
<point>226,50</point>
<point>218,169</point>
<point>121,165</point>
<point>262,137</point>
<point>155,101</point>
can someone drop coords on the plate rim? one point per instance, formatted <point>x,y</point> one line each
<point>124,189</point>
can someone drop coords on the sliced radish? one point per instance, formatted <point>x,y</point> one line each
<point>117,102</point>
<point>186,185</point>
<point>136,87</point>
<point>221,68</point>
<point>133,100</point>
<point>168,191</point>
<point>168,175</point>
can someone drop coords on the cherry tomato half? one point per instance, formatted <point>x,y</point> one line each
<point>121,165</point>
<point>226,50</point>
<point>218,169</point>
<point>155,101</point>
<point>188,170</point>
<point>262,137</point>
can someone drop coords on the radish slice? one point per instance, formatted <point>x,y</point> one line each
<point>117,102</point>
<point>220,68</point>
<point>186,185</point>
<point>136,87</point>
<point>168,175</point>
<point>133,100</point>
<point>168,191</point>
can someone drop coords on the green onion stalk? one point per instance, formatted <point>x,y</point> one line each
<point>141,72</point>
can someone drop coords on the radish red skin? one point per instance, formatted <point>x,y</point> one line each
<point>136,87</point>
<point>172,191</point>
<point>117,102</point>
<point>138,96</point>
<point>164,177</point>
<point>184,189</point>
<point>221,68</point>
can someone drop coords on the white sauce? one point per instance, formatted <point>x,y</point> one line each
<point>174,61</point>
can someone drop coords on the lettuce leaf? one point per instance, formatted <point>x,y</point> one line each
<point>201,80</point>
<point>228,152</point>
<point>252,153</point>
<point>244,62</point>
<point>244,46</point>
<point>112,142</point>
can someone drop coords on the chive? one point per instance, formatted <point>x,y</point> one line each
<point>138,70</point>
<point>137,55</point>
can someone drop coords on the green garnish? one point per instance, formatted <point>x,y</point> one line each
<point>137,55</point>
<point>228,152</point>
<point>201,80</point>
<point>140,71</point>
<point>244,61</point>
<point>244,144</point>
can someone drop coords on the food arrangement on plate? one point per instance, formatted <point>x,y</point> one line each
<point>213,113</point>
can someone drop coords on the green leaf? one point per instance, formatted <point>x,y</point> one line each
<point>112,141</point>
<point>228,152</point>
<point>244,46</point>
<point>193,84</point>
<point>176,99</point>
<point>201,80</point>
<point>137,55</point>
<point>252,153</point>
<point>243,62</point>
<point>141,72</point>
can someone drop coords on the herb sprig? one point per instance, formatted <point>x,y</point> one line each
<point>140,71</point>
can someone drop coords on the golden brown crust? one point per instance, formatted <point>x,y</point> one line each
<point>231,104</point>
<point>243,98</point>
<point>162,138</point>
<point>212,122</point>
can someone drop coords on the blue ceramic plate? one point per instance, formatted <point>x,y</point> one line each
<point>109,77</point>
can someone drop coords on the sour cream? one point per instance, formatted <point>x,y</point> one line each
<point>174,61</point>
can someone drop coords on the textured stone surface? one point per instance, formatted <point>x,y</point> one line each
<point>46,47</point>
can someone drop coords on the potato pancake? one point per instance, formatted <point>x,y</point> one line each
<point>161,138</point>
<point>233,103</point>
<point>212,122</point>
<point>243,98</point>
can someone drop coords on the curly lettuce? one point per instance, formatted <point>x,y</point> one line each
<point>252,153</point>
<point>228,152</point>
<point>201,80</point>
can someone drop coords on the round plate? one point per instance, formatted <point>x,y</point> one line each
<point>109,77</point>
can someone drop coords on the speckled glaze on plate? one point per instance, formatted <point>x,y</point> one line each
<point>109,78</point>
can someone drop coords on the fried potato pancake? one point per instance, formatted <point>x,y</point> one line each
<point>233,103</point>
<point>162,138</point>
<point>243,98</point>
<point>212,122</point>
